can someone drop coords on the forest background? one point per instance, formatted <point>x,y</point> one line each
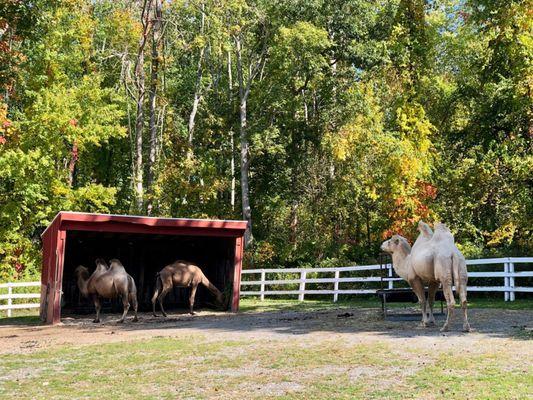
<point>327,124</point>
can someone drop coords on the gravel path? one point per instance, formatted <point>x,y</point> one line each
<point>356,325</point>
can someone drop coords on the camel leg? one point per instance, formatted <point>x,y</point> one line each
<point>450,305</point>
<point>191,298</point>
<point>154,299</point>
<point>432,290</point>
<point>133,301</point>
<point>160,299</point>
<point>98,307</point>
<point>126,305</point>
<point>418,288</point>
<point>462,298</point>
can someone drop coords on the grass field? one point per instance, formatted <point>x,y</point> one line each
<point>223,357</point>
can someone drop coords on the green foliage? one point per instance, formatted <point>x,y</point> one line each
<point>363,118</point>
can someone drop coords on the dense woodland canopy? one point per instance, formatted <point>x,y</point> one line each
<point>329,124</point>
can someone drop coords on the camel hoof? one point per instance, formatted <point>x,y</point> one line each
<point>135,319</point>
<point>96,321</point>
<point>444,329</point>
<point>423,324</point>
<point>431,323</point>
<point>466,328</point>
<point>120,321</point>
<point>165,315</point>
<point>192,313</point>
<point>155,315</point>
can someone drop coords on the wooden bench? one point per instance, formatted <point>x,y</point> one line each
<point>404,295</point>
<point>387,294</point>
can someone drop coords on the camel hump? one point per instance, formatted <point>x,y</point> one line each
<point>425,229</point>
<point>115,261</point>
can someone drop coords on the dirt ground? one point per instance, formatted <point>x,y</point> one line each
<point>358,325</point>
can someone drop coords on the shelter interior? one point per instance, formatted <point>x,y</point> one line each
<point>143,255</point>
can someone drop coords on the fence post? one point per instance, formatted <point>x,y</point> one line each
<point>511,281</point>
<point>9,300</point>
<point>336,286</point>
<point>391,283</point>
<point>506,281</point>
<point>303,275</point>
<point>262,287</point>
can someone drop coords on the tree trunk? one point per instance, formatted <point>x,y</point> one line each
<point>139,119</point>
<point>154,82</point>
<point>197,90</point>
<point>245,146</point>
<point>231,135</point>
<point>72,164</point>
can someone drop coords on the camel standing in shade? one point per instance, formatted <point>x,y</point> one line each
<point>433,259</point>
<point>182,274</point>
<point>108,283</point>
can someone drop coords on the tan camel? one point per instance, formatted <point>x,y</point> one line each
<point>182,274</point>
<point>449,258</point>
<point>420,245</point>
<point>108,283</point>
<point>432,260</point>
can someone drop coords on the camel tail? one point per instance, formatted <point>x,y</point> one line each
<point>212,288</point>
<point>158,287</point>
<point>132,289</point>
<point>456,276</point>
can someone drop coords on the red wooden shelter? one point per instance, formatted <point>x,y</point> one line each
<point>144,245</point>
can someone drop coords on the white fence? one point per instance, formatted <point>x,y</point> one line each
<point>10,296</point>
<point>507,274</point>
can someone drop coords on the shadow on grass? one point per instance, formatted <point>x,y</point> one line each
<point>294,318</point>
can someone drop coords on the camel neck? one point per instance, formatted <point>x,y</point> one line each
<point>399,263</point>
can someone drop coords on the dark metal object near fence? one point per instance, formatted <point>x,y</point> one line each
<point>388,294</point>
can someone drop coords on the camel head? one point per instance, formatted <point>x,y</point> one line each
<point>396,244</point>
<point>81,271</point>
<point>82,276</point>
<point>220,299</point>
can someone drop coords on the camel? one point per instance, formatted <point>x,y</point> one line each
<point>182,274</point>
<point>446,253</point>
<point>433,260</point>
<point>108,282</point>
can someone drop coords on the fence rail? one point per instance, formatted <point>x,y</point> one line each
<point>10,296</point>
<point>259,278</point>
<point>508,274</point>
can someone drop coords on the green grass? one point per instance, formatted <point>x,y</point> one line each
<point>288,367</point>
<point>198,367</point>
<point>256,305</point>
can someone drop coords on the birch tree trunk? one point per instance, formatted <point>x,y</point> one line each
<point>231,134</point>
<point>197,90</point>
<point>245,146</point>
<point>139,119</point>
<point>154,82</point>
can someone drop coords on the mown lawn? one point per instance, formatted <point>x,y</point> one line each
<point>199,368</point>
<point>290,367</point>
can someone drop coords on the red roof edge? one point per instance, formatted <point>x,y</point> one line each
<point>61,216</point>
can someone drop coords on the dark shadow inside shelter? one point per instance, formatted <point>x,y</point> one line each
<point>143,255</point>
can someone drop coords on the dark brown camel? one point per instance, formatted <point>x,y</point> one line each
<point>182,274</point>
<point>108,283</point>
